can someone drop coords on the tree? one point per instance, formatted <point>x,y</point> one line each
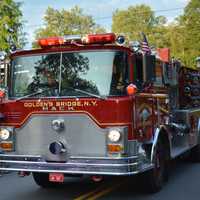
<point>65,22</point>
<point>175,38</point>
<point>11,25</point>
<point>190,24</point>
<point>137,19</point>
<point>182,36</point>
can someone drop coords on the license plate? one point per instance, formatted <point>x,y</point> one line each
<point>56,177</point>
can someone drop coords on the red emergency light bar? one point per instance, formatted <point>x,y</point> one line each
<point>106,38</point>
<point>99,38</point>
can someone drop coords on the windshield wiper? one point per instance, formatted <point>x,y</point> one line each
<point>90,94</point>
<point>40,91</point>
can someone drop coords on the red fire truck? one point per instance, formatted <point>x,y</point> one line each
<point>94,106</point>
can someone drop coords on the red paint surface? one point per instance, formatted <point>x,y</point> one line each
<point>164,54</point>
<point>110,112</point>
<point>69,47</point>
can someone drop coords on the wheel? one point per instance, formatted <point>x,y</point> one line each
<point>42,179</point>
<point>155,178</point>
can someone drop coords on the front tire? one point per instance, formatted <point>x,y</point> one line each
<point>155,178</point>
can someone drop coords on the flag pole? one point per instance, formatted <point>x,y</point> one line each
<point>145,50</point>
<point>144,61</point>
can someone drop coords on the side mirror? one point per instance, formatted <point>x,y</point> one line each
<point>149,63</point>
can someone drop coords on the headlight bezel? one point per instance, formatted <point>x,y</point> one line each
<point>5,134</point>
<point>119,145</point>
<point>114,135</point>
<point>4,142</point>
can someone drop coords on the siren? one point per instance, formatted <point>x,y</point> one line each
<point>120,40</point>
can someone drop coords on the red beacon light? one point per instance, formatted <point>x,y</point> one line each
<point>104,38</point>
<point>51,41</point>
<point>57,41</point>
<point>131,89</point>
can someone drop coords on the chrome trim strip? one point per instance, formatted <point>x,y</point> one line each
<point>20,156</point>
<point>128,166</point>
<point>69,163</point>
<point>104,158</point>
<point>77,172</point>
<point>80,172</point>
<point>72,157</point>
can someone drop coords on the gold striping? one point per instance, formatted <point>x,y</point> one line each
<point>160,96</point>
<point>66,112</point>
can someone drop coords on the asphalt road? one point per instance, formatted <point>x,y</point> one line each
<point>184,184</point>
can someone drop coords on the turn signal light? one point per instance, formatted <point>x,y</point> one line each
<point>115,148</point>
<point>6,146</point>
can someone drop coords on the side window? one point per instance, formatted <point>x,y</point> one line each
<point>120,77</point>
<point>138,71</point>
<point>155,75</point>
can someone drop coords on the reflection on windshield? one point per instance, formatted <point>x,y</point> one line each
<point>100,73</point>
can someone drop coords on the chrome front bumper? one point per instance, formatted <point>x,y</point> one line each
<point>81,165</point>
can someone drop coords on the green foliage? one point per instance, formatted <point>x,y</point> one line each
<point>175,38</point>
<point>10,24</point>
<point>190,24</point>
<point>136,19</point>
<point>181,36</point>
<point>65,22</point>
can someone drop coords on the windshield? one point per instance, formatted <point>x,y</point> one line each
<point>101,73</point>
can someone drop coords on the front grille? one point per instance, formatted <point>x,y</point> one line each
<point>80,135</point>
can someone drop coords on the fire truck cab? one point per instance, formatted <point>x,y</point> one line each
<point>91,105</point>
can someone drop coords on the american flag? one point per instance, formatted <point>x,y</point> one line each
<point>144,45</point>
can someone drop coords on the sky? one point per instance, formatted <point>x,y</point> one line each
<point>101,10</point>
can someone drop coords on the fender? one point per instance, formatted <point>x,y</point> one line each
<point>157,135</point>
<point>154,142</point>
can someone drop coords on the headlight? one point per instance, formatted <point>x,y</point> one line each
<point>114,135</point>
<point>4,134</point>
